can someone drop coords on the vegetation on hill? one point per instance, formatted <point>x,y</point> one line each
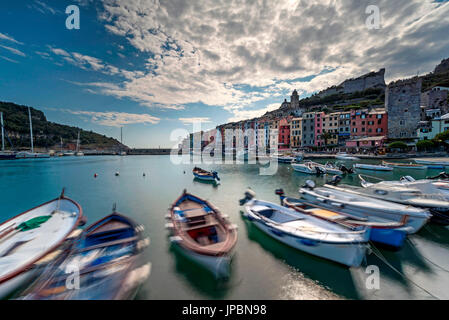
<point>46,134</point>
<point>435,80</point>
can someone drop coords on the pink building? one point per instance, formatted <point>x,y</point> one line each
<point>366,123</point>
<point>284,135</point>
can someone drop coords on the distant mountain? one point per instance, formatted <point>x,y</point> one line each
<point>47,134</point>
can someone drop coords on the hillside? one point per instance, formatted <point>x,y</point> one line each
<point>46,134</point>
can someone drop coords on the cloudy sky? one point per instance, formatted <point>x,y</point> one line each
<point>152,66</point>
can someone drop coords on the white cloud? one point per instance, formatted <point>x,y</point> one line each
<point>8,38</point>
<point>14,51</point>
<point>250,114</point>
<point>205,50</point>
<point>116,119</point>
<point>194,120</point>
<point>8,59</point>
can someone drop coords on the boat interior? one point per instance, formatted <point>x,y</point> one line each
<point>199,222</point>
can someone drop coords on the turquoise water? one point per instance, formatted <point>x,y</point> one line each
<point>262,268</point>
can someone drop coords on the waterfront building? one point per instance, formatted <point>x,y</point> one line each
<point>308,129</point>
<point>296,133</point>
<point>366,143</point>
<point>433,127</point>
<point>274,133</point>
<point>369,123</point>
<point>284,134</point>
<point>319,116</point>
<point>344,127</point>
<point>330,128</point>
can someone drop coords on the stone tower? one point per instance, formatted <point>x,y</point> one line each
<point>294,100</point>
<point>403,104</point>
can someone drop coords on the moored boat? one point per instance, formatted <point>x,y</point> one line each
<point>309,167</point>
<point>399,165</point>
<point>202,233</point>
<point>205,175</point>
<point>348,201</point>
<point>108,257</point>
<point>374,167</point>
<point>345,156</point>
<point>32,235</point>
<point>433,162</point>
<point>383,231</point>
<point>307,233</point>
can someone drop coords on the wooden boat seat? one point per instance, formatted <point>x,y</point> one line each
<point>330,215</point>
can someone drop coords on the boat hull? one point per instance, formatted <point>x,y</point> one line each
<point>219,266</point>
<point>303,169</point>
<point>372,167</point>
<point>414,223</point>
<point>204,177</point>
<point>391,237</point>
<point>350,255</point>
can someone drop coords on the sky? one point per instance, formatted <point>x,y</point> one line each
<point>155,66</point>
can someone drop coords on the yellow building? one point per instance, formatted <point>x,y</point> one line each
<point>330,128</point>
<point>296,133</point>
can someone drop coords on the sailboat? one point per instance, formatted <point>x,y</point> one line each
<point>5,155</point>
<point>60,153</point>
<point>31,154</point>
<point>78,152</point>
<point>122,153</point>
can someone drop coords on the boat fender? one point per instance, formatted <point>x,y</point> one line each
<point>175,239</point>
<point>169,226</point>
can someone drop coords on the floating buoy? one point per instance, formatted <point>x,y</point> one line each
<point>117,174</point>
<point>144,174</point>
<point>184,172</point>
<point>95,175</point>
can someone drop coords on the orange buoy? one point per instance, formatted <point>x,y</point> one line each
<point>95,175</point>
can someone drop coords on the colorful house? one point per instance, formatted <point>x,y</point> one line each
<point>284,135</point>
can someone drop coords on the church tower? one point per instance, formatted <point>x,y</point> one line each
<point>294,100</point>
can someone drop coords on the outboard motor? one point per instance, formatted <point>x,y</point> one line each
<point>344,169</point>
<point>249,195</point>
<point>335,180</point>
<point>319,171</point>
<point>215,174</point>
<point>281,194</point>
<point>310,185</point>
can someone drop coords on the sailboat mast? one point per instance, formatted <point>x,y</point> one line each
<point>3,132</point>
<point>78,142</point>
<point>31,130</point>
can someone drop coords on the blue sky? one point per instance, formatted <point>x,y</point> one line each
<point>154,67</point>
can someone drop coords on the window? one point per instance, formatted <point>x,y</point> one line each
<point>402,122</point>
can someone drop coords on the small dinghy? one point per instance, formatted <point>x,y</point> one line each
<point>399,165</point>
<point>307,233</point>
<point>345,156</point>
<point>374,167</point>
<point>108,257</point>
<point>206,175</point>
<point>383,231</point>
<point>31,236</point>
<point>309,167</point>
<point>202,233</point>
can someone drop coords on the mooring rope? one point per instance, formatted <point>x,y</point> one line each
<point>378,254</point>
<point>430,261</point>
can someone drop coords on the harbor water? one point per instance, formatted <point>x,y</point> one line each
<point>262,267</point>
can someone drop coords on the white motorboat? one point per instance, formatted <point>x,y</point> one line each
<point>306,167</point>
<point>374,167</point>
<point>29,237</point>
<point>355,203</point>
<point>407,191</point>
<point>433,162</point>
<point>345,156</point>
<point>308,233</point>
<point>407,166</point>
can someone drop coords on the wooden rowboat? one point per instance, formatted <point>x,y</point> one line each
<point>404,165</point>
<point>202,233</point>
<point>205,175</point>
<point>31,236</point>
<point>108,259</point>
